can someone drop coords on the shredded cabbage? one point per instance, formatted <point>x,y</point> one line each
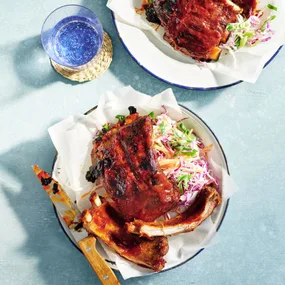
<point>252,31</point>
<point>182,156</point>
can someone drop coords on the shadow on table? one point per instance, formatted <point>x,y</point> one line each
<point>102,12</point>
<point>58,261</point>
<point>129,72</point>
<point>31,66</point>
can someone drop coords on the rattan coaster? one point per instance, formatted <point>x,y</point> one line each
<point>95,68</point>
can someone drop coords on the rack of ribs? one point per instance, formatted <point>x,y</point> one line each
<point>125,159</point>
<point>196,27</point>
<point>138,192</point>
<point>206,201</point>
<point>106,223</point>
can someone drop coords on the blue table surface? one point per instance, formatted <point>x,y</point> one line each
<point>248,119</point>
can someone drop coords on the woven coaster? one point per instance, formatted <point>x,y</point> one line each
<point>95,68</point>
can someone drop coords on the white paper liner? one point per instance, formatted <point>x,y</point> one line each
<point>73,137</point>
<point>249,61</point>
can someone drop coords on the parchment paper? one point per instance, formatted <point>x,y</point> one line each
<point>73,137</point>
<point>248,62</point>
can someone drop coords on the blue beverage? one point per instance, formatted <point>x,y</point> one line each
<point>72,36</point>
<point>75,41</point>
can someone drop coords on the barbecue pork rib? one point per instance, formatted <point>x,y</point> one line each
<point>105,223</point>
<point>130,172</point>
<point>196,27</point>
<point>206,201</point>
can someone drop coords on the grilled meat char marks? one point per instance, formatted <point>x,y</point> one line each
<point>107,224</point>
<point>137,185</point>
<point>196,27</point>
<point>206,201</point>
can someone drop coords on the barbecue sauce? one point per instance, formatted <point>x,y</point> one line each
<point>125,160</point>
<point>122,238</point>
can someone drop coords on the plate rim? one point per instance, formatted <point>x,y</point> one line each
<point>179,85</point>
<point>218,227</point>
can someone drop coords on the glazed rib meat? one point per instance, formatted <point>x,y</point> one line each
<point>131,175</point>
<point>105,223</point>
<point>196,27</point>
<point>206,201</point>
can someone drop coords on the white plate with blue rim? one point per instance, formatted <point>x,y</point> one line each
<point>217,154</point>
<point>168,65</point>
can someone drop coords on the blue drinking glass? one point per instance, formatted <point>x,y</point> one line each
<point>72,36</point>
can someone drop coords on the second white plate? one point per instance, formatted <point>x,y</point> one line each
<point>167,65</point>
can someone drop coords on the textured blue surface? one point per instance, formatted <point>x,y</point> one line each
<point>248,120</point>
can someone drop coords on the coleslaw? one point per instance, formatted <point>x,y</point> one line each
<point>182,157</point>
<point>252,31</point>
